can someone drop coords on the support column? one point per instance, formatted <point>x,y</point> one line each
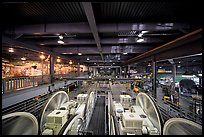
<point>78,70</point>
<point>154,86</point>
<point>52,69</point>
<point>88,71</point>
<point>116,72</point>
<point>174,76</point>
<point>128,71</point>
<point>120,72</point>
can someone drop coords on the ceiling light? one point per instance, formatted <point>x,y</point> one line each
<point>11,50</point>
<point>113,63</point>
<point>70,62</point>
<point>125,53</point>
<point>200,75</point>
<point>160,67</point>
<point>149,65</point>
<point>140,40</point>
<point>23,58</point>
<point>60,37</point>
<point>140,35</point>
<point>144,31</point>
<point>95,63</point>
<point>42,56</point>
<point>58,60</point>
<point>179,66</point>
<point>60,42</point>
<point>79,53</point>
<point>87,59</point>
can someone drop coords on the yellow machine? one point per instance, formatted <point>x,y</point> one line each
<point>136,90</point>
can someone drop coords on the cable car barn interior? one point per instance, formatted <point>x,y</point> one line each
<point>102,68</point>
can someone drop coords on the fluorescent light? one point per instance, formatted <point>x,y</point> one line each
<point>79,53</point>
<point>11,50</point>
<point>140,40</point>
<point>60,37</point>
<point>60,42</point>
<point>140,35</point>
<point>144,31</point>
<point>125,53</point>
<point>187,76</point>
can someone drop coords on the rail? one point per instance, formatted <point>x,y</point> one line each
<point>18,83</point>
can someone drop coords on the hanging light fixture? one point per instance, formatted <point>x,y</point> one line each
<point>58,60</point>
<point>70,62</point>
<point>42,56</point>
<point>11,50</point>
<point>23,58</point>
<point>60,40</point>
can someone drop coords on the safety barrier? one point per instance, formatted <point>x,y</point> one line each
<point>17,83</point>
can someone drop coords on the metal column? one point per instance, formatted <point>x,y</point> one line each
<point>174,76</point>
<point>154,86</point>
<point>78,70</point>
<point>128,71</point>
<point>120,72</point>
<point>52,69</point>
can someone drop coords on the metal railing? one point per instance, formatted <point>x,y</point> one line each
<point>17,83</point>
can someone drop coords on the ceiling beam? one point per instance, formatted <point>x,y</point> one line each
<point>181,46</point>
<point>78,41</point>
<point>92,23</point>
<point>32,47</point>
<point>83,27</point>
<point>106,49</point>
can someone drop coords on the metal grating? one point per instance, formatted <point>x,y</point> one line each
<point>46,12</point>
<point>145,11</point>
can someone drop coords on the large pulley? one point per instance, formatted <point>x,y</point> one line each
<point>19,123</point>
<point>90,102</point>
<point>181,126</point>
<point>54,103</point>
<point>151,110</point>
<point>73,126</point>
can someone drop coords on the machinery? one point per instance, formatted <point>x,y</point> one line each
<point>125,100</point>
<point>19,123</point>
<point>145,118</point>
<point>59,116</point>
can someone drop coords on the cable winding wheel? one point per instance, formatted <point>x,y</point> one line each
<point>19,123</point>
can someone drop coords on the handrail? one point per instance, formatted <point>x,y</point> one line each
<point>13,84</point>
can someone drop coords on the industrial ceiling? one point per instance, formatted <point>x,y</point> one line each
<point>106,33</point>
